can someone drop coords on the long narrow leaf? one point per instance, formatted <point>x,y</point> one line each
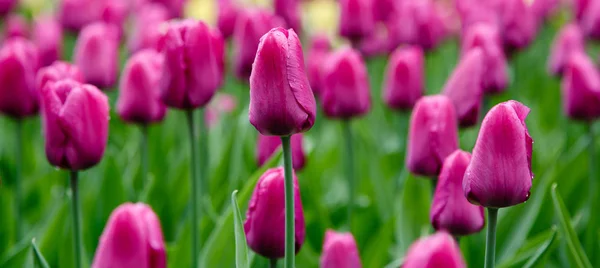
<point>541,251</point>
<point>38,257</point>
<point>241,248</point>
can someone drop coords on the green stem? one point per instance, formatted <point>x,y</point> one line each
<point>18,170</point>
<point>434,182</point>
<point>144,155</point>
<point>490,247</point>
<point>203,161</point>
<point>289,203</point>
<point>349,168</point>
<point>591,237</point>
<point>194,178</point>
<point>273,263</point>
<point>75,211</point>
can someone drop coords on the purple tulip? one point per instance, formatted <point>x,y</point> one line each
<point>265,221</point>
<point>6,6</point>
<point>499,174</point>
<point>356,20</point>
<point>581,88</point>
<point>75,119</point>
<point>15,25</point>
<point>75,14</point>
<point>132,238</point>
<point>450,210</point>
<point>433,135</point>
<point>18,67</point>
<point>48,37</point>
<point>59,70</point>
<point>339,251</point>
<point>346,92</point>
<point>289,11</point>
<point>436,250</point>
<point>281,102</point>
<point>569,41</point>
<point>403,84</point>
<point>268,145</point>
<point>227,15</point>
<point>590,21</point>
<point>146,27</point>
<point>97,54</point>
<point>419,23</point>
<point>320,48</point>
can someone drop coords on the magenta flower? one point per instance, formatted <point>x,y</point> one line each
<point>419,23</point>
<point>15,25</point>
<point>59,70</point>
<point>146,27</point>
<point>319,49</point>
<point>590,21</point>
<point>581,88</point>
<point>289,11</point>
<point>403,84</point>
<point>75,14</point>
<point>339,251</point>
<point>227,14</point>
<point>356,19</point>
<point>97,54</point>
<point>569,41</point>
<point>519,23</point>
<point>267,145</point>
<point>436,250</point>
<point>6,6</point>
<point>18,67</point>
<point>175,7</point>
<point>48,37</point>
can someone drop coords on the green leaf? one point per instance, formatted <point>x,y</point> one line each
<point>38,257</point>
<point>241,248</point>
<point>541,251</point>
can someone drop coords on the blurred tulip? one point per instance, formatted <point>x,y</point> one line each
<point>115,12</point>
<point>356,21</point>
<point>175,7</point>
<point>289,11</point>
<point>15,25</point>
<point>75,120</point>
<point>221,104</point>
<point>193,56</point>
<point>499,174</point>
<point>519,24</point>
<point>378,42</point>
<point>579,7</point>
<point>568,41</point>
<point>433,135</point>
<point>464,87</point>
<point>227,14</point>
<point>48,37</point>
<point>473,12</point>
<point>419,23</point>
<point>267,145</point>
<point>319,49</point>
<point>139,96</point>
<point>339,251</point>
<point>132,237</point>
<point>436,250</point>
<point>59,70</point>
<point>346,92</point>
<point>281,102</point>
<point>146,27</point>
<point>544,8</point>
<point>581,88</point>
<point>18,67</point>
<point>383,9</point>
<point>75,14</point>
<point>97,54</point>
<point>450,210</point>
<point>6,6</point>
<point>403,84</point>
<point>590,21</point>
<point>265,221</point>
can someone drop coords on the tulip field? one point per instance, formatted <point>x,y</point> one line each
<point>158,142</point>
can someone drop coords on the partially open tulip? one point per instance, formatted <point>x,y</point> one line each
<point>346,92</point>
<point>568,41</point>
<point>132,237</point>
<point>581,88</point>
<point>419,23</point>
<point>59,70</point>
<point>499,174</point>
<point>450,210</point>
<point>97,54</point>
<point>227,14</point>
<point>18,67</point>
<point>15,25</point>
<point>75,14</point>
<point>433,135</point>
<point>356,19</point>
<point>289,11</point>
<point>146,27</point>
<point>590,21</point>
<point>319,49</point>
<point>75,120</point>
<point>436,250</point>
<point>403,84</point>
<point>464,87</point>
<point>268,145</point>
<point>265,221</point>
<point>193,56</point>
<point>339,251</point>
<point>281,102</point>
<point>139,92</point>
<point>6,6</point>
<point>48,37</point>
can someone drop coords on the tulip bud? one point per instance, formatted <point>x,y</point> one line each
<point>146,27</point>
<point>433,135</point>
<point>97,54</point>
<point>519,24</point>
<point>132,238</point>
<point>569,41</point>
<point>464,87</point>
<point>403,84</point>
<point>281,102</point>
<point>590,21</point>
<point>339,251</point>
<point>450,210</point>
<point>18,67</point>
<point>115,12</point>
<point>356,21</point>
<point>75,14</point>
<point>289,11</point>
<point>6,6</point>
<point>346,92</point>
<point>436,250</point>
<point>59,70</point>
<point>320,48</point>
<point>193,72</point>
<point>581,88</point>
<point>75,120</point>
<point>47,36</point>
<point>265,224</point>
<point>378,42</point>
<point>227,14</point>
<point>499,174</point>
<point>267,145</point>
<point>15,25</point>
<point>421,24</point>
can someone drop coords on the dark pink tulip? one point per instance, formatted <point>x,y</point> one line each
<point>519,24</point>
<point>499,174</point>
<point>227,14</point>
<point>419,23</point>
<point>47,36</point>
<point>15,25</point>
<point>139,92</point>
<point>569,41</point>
<point>590,21</point>
<point>193,64</point>
<point>383,10</point>
<point>59,70</point>
<point>339,251</point>
<point>579,7</point>
<point>281,102</point>
<point>464,87</point>
<point>346,92</point>
<point>403,84</point>
<point>544,8</point>
<point>267,145</point>
<point>146,25</point>
<point>378,42</point>
<point>581,88</point>
<point>319,49</point>
<point>265,221</point>
<point>97,54</point>
<point>75,14</point>
<point>433,135</point>
<point>75,119</point>
<point>356,21</point>
<point>18,67</point>
<point>115,12</point>
<point>436,250</point>
<point>175,7</point>
<point>450,210</point>
<point>289,11</point>
<point>6,6</point>
<point>472,12</point>
<point>132,237</point>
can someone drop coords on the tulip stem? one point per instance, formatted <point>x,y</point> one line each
<point>289,203</point>
<point>490,247</point>
<point>203,164</point>
<point>590,237</point>
<point>144,155</point>
<point>273,263</point>
<point>194,178</point>
<point>349,167</point>
<point>18,170</point>
<point>75,211</point>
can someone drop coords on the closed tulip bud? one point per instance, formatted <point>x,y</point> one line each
<point>75,120</point>
<point>422,24</point>
<point>146,27</point>
<point>569,41</point>
<point>289,11</point>
<point>581,88</point>
<point>519,24</point>
<point>436,250</point>
<point>132,237</point>
<point>320,48</point>
<point>346,92</point>
<point>281,102</point>
<point>18,67</point>
<point>499,174</point>
<point>115,12</point>
<point>139,95</point>
<point>450,210</point>
<point>267,145</point>
<point>75,14</point>
<point>15,25</point>
<point>464,87</point>
<point>97,54</point>
<point>57,71</point>
<point>193,64</point>
<point>356,21</point>
<point>339,251</point>
<point>590,21</point>
<point>227,14</point>
<point>47,36</point>
<point>6,6</point>
<point>403,84</point>
<point>265,224</point>
<point>433,135</point>
<point>175,7</point>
